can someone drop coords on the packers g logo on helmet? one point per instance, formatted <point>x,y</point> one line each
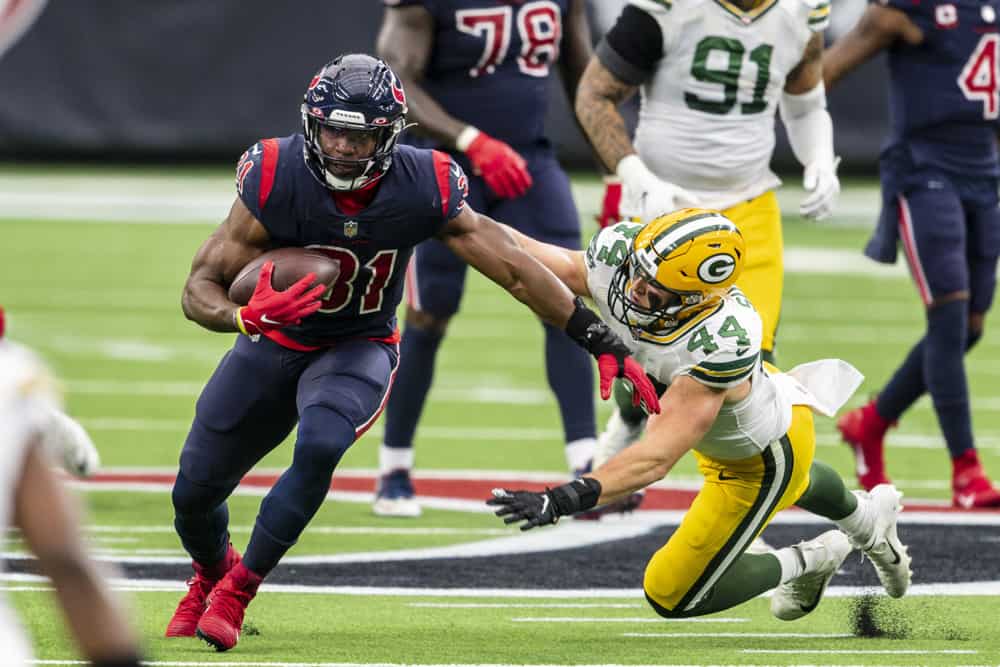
<point>717,268</point>
<point>693,256</point>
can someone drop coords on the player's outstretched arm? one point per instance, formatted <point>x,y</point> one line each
<point>488,247</point>
<point>50,523</point>
<point>691,408</point>
<point>877,29</point>
<point>491,249</point>
<point>568,265</point>
<point>239,239</point>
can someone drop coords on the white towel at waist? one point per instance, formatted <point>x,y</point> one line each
<point>824,385</point>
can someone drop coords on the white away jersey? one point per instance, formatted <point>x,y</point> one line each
<point>706,121</point>
<point>719,347</point>
<point>27,394</point>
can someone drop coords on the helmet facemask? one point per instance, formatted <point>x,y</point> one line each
<point>666,308</point>
<point>363,171</point>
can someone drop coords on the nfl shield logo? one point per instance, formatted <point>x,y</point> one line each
<point>351,229</point>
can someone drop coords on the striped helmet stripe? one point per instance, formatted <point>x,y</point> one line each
<point>676,235</point>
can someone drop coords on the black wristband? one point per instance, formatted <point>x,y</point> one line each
<point>580,322</point>
<point>593,334</point>
<point>577,496</point>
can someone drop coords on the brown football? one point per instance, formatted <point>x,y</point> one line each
<point>290,264</point>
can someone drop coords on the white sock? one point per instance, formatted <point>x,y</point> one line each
<point>579,453</point>
<point>394,458</point>
<point>860,523</point>
<point>792,564</point>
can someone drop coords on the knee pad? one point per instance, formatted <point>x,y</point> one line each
<point>324,436</point>
<point>190,498</point>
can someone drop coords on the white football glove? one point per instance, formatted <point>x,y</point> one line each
<point>69,444</point>
<point>820,180</point>
<point>644,195</point>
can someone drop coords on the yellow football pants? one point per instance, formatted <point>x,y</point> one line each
<point>759,220</point>
<point>736,502</point>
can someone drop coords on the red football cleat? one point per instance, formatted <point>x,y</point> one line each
<point>185,619</point>
<point>972,488</point>
<point>221,623</point>
<point>863,429</point>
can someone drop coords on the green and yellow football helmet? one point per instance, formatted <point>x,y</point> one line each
<point>689,258</point>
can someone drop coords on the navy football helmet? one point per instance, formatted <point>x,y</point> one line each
<point>354,93</point>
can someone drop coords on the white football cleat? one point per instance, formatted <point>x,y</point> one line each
<point>822,557</point>
<point>617,435</point>
<point>395,496</point>
<point>884,550</point>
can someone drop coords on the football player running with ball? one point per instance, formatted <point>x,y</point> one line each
<point>668,288</point>
<point>326,359</point>
<point>712,74</point>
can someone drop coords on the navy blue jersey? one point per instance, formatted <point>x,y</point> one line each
<point>422,190</point>
<point>943,99</point>
<point>491,61</point>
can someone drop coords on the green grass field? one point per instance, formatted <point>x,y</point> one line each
<point>91,269</point>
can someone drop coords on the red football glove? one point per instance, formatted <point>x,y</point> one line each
<point>613,357</point>
<point>609,214</point>
<point>610,366</point>
<point>505,172</point>
<point>1,322</point>
<point>269,310</point>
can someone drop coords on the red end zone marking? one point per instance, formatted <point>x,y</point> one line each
<point>459,489</point>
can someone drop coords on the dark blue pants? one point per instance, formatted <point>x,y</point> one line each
<point>251,403</point>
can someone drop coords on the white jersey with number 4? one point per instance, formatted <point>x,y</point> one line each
<point>707,117</point>
<point>27,398</point>
<point>720,347</point>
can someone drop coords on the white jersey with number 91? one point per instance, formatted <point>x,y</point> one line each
<point>707,117</point>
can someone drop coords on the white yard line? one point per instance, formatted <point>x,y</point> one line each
<point>634,619</point>
<point>984,440</point>
<point>160,663</point>
<point>760,635</point>
<point>971,589</point>
<point>863,651</point>
<point>522,605</point>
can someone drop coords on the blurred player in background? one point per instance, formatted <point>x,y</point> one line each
<point>668,288</point>
<point>325,359</point>
<point>37,505</point>
<point>712,73</point>
<point>939,172</point>
<point>478,75</point>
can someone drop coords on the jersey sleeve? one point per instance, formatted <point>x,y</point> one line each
<point>724,350</point>
<point>818,13</point>
<point>452,183</point>
<point>610,246</point>
<point>634,45</point>
<point>255,176</point>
